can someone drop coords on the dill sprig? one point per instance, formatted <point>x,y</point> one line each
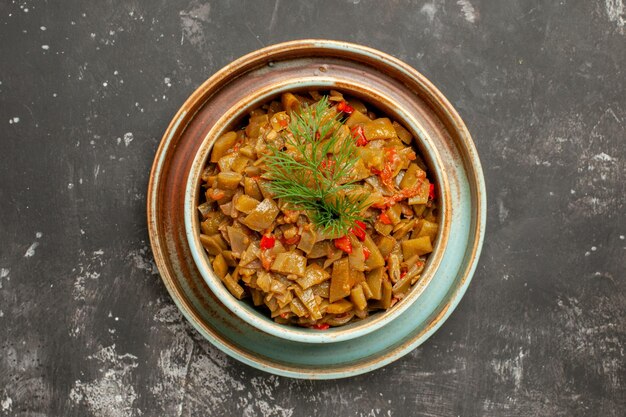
<point>312,173</point>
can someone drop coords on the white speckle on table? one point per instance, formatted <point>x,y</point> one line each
<point>593,249</point>
<point>588,330</point>
<point>266,409</point>
<point>429,10</point>
<point>30,252</point>
<point>80,292</point>
<point>192,22</point>
<point>104,84</point>
<point>4,273</point>
<point>468,10</point>
<point>42,27</point>
<point>93,35</point>
<point>167,81</point>
<point>45,47</point>
<point>621,237</point>
<point>128,138</point>
<point>603,157</point>
<point>6,404</point>
<point>141,260</point>
<point>587,253</point>
<point>38,235</point>
<point>1,313</point>
<point>572,192</point>
<point>70,185</point>
<point>86,285</point>
<point>109,394</point>
<point>511,369</point>
<point>96,171</point>
<point>616,12</point>
<point>503,212</point>
<point>14,120</point>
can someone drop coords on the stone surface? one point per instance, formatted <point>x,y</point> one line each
<point>88,87</point>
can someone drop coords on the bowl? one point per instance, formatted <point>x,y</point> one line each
<point>369,75</point>
<point>466,203</point>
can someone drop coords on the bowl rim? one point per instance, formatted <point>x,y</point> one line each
<point>192,230</point>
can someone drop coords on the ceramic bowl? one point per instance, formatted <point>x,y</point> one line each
<point>170,206</point>
<point>367,85</point>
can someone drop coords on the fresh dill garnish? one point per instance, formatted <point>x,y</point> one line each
<point>311,172</point>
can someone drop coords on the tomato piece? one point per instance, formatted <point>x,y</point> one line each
<point>327,165</point>
<point>384,219</point>
<point>345,107</point>
<point>217,194</point>
<point>391,159</point>
<point>431,192</point>
<point>366,252</point>
<point>321,326</point>
<point>359,134</point>
<point>268,242</point>
<point>359,231</point>
<point>343,243</point>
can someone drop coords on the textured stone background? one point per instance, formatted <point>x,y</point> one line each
<point>88,87</point>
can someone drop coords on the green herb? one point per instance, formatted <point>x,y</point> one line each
<point>311,174</point>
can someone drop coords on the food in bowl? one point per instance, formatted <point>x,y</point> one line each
<point>318,209</point>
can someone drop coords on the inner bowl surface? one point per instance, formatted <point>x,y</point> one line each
<point>381,97</point>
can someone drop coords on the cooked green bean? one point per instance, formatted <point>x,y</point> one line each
<point>267,235</point>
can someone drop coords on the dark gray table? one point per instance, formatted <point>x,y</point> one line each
<point>87,88</point>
